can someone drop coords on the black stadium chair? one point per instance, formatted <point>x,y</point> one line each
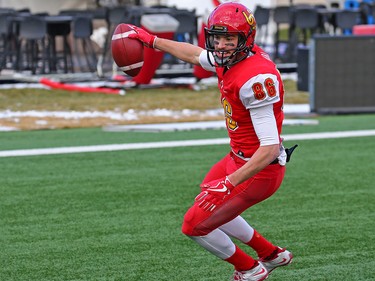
<point>306,21</point>
<point>7,40</point>
<point>82,30</point>
<point>116,15</point>
<point>32,47</point>
<point>282,16</point>
<point>59,29</point>
<point>187,30</point>
<point>346,20</point>
<point>262,17</point>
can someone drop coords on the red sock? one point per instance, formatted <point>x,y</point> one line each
<point>241,260</point>
<point>263,247</point>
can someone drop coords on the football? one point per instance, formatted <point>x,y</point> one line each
<point>127,53</point>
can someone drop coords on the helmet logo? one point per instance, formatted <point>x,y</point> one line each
<point>249,18</point>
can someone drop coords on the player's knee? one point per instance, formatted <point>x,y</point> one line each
<point>187,224</point>
<point>193,230</point>
<point>191,225</point>
<point>187,229</point>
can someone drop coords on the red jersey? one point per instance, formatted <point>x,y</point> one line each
<point>251,83</point>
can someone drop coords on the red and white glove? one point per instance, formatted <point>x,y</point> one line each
<point>142,35</point>
<point>214,193</point>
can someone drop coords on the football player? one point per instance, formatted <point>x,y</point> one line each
<point>252,97</point>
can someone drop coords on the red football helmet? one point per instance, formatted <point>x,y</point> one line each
<point>231,18</point>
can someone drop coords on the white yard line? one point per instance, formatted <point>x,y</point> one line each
<point>187,126</point>
<point>185,143</point>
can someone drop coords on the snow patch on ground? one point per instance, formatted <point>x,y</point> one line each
<point>131,114</point>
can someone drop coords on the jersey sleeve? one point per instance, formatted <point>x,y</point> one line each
<point>205,63</point>
<point>260,90</point>
<point>265,126</point>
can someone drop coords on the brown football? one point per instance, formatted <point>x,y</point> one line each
<point>127,53</point>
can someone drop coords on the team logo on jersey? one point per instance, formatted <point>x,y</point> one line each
<point>231,124</point>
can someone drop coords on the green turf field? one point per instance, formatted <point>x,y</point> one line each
<point>117,215</point>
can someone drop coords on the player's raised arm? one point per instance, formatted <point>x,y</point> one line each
<point>181,50</point>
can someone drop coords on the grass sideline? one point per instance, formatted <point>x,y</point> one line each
<point>141,99</point>
<point>136,100</point>
<point>117,215</point>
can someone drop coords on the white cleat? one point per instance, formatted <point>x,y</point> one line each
<point>258,273</point>
<point>284,257</point>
